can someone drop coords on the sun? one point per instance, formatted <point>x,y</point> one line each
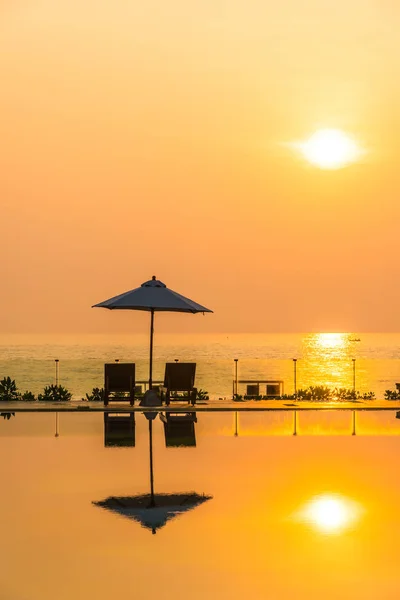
<point>330,149</point>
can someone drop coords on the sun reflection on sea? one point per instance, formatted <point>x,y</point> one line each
<point>331,340</point>
<point>328,361</point>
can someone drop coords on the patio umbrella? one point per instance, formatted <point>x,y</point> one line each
<point>152,296</point>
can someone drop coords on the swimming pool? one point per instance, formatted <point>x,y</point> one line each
<point>281,516</point>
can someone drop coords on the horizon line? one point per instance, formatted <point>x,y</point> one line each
<point>131,333</point>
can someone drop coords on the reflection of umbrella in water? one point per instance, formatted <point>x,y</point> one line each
<point>152,510</point>
<point>165,507</point>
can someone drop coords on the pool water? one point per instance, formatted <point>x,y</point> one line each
<point>243,509</point>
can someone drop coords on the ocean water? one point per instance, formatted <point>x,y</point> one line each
<point>322,359</point>
<point>241,510</point>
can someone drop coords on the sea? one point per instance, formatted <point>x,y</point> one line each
<point>368,362</point>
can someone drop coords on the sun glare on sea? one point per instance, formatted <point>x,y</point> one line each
<point>330,513</point>
<point>330,340</point>
<point>330,149</point>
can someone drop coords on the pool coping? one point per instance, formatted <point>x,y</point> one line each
<point>213,406</point>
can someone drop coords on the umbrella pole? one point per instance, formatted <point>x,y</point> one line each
<point>152,503</point>
<point>151,349</point>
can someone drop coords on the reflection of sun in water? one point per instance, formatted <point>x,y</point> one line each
<point>327,360</point>
<point>330,513</point>
<point>331,340</point>
<point>330,149</point>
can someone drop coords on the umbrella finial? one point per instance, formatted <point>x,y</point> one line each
<point>153,283</point>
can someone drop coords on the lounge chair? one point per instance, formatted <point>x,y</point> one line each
<point>119,430</point>
<point>179,429</point>
<point>119,383</point>
<point>179,383</point>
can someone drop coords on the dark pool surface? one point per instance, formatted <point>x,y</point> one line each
<point>238,506</point>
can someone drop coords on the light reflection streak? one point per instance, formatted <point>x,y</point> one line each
<point>330,513</point>
<point>327,360</point>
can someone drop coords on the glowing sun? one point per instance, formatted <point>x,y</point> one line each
<point>330,149</point>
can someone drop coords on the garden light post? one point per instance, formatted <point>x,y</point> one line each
<point>57,362</point>
<point>236,376</point>
<point>295,375</point>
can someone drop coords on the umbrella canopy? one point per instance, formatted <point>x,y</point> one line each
<point>152,296</point>
<point>140,508</point>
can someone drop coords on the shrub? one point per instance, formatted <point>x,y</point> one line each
<point>97,395</point>
<point>325,394</point>
<point>55,393</point>
<point>8,390</point>
<point>28,397</point>
<point>367,396</point>
<point>320,393</point>
<point>392,395</point>
<point>202,395</point>
<point>344,394</point>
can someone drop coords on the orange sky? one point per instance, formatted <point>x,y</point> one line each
<point>143,138</point>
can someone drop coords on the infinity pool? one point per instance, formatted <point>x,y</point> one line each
<point>243,508</point>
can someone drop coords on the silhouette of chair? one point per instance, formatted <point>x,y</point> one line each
<point>179,382</point>
<point>119,383</point>
<point>179,429</point>
<point>119,430</point>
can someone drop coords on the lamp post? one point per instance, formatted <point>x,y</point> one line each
<point>56,360</point>
<point>57,363</point>
<point>295,375</point>
<point>354,374</point>
<point>236,376</point>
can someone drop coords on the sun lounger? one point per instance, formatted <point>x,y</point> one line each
<point>119,383</point>
<point>179,383</point>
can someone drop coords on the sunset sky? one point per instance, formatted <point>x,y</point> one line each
<point>155,137</point>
